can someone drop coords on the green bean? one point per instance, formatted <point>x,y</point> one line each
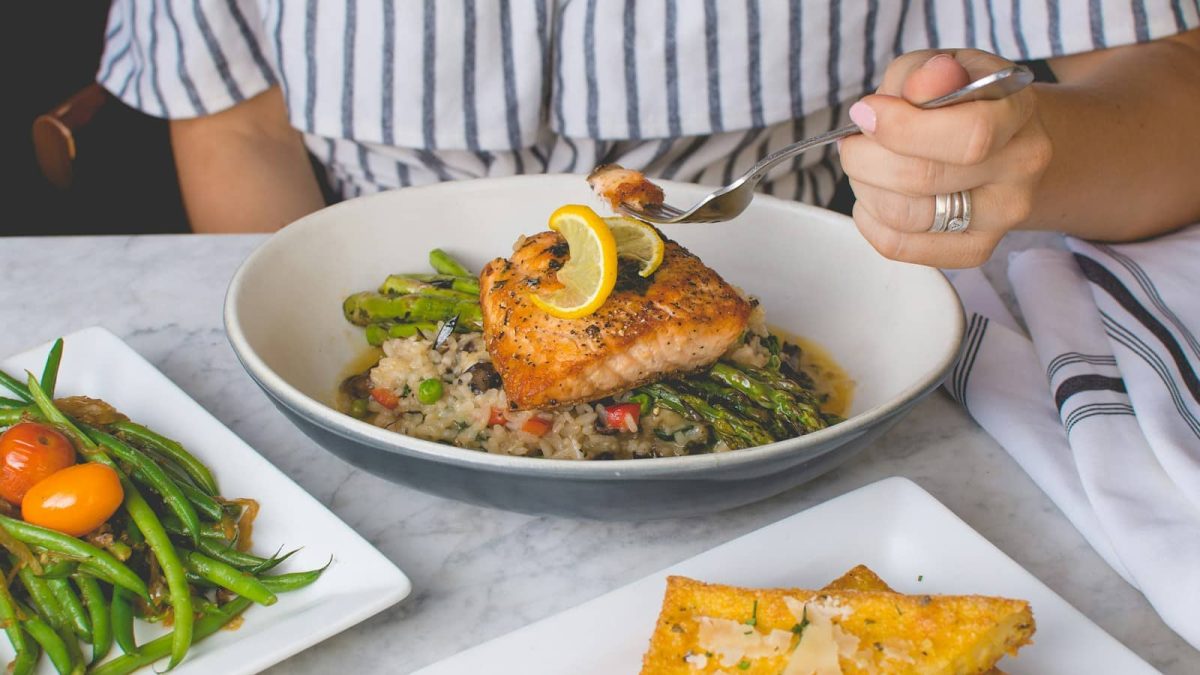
<point>429,391</point>
<point>72,608</point>
<point>149,472</point>
<point>26,660</point>
<point>41,595</point>
<point>156,649</point>
<point>112,568</point>
<point>121,613</point>
<point>205,505</point>
<point>98,613</point>
<point>51,610</point>
<point>14,385</point>
<point>50,371</point>
<point>10,416</point>
<point>444,263</point>
<point>292,581</point>
<point>173,450</point>
<point>172,569</point>
<point>229,555</point>
<point>25,648</point>
<point>230,578</point>
<point>58,568</point>
<point>52,643</point>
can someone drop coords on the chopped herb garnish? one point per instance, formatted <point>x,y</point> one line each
<point>920,577</point>
<point>753,620</point>
<point>798,629</point>
<point>743,665</point>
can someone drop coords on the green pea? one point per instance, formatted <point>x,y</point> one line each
<point>430,391</point>
<point>358,408</point>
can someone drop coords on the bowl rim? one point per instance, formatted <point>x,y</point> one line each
<point>352,429</point>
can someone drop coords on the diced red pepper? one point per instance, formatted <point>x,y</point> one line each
<point>536,425</point>
<point>615,415</point>
<point>497,417</point>
<point>385,397</point>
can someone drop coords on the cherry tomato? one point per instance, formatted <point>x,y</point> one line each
<point>497,417</point>
<point>30,452</point>
<point>536,426</point>
<point>385,397</point>
<point>74,501</point>
<point>615,415</point>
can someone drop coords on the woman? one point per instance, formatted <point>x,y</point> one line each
<point>389,94</point>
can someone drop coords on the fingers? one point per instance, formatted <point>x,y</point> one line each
<point>938,76</point>
<point>1022,160</point>
<point>915,214</point>
<point>964,134</point>
<point>971,248</point>
<point>870,163</point>
<point>895,79</point>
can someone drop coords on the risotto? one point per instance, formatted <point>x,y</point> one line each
<point>472,411</point>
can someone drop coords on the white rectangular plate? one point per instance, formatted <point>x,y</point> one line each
<point>893,526</point>
<point>359,582</point>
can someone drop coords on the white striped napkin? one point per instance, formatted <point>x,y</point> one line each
<point>1102,406</point>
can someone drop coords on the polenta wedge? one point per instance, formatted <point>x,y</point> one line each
<point>850,628</point>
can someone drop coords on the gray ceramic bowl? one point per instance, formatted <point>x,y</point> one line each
<point>894,327</point>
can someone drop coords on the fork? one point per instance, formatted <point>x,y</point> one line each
<point>729,202</point>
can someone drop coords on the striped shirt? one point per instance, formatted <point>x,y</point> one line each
<point>392,93</point>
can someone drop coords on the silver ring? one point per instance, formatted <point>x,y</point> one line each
<point>951,212</point>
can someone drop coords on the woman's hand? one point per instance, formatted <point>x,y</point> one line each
<point>997,150</point>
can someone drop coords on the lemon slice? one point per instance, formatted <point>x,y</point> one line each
<point>590,274</point>
<point>637,241</point>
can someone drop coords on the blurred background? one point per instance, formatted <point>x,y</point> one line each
<point>122,179</point>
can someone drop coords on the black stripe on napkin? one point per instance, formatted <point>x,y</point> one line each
<point>1080,383</point>
<point>1067,358</point>
<point>966,361</point>
<point>1095,410</point>
<point>1126,337</point>
<point>1099,275</point>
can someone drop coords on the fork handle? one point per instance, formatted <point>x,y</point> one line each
<point>759,170</point>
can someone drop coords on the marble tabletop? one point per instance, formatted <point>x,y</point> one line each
<point>479,573</point>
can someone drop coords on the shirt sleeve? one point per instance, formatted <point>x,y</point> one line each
<point>178,59</point>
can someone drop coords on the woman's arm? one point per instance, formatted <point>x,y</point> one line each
<point>244,169</point>
<point>1123,122</point>
<point>1110,153</point>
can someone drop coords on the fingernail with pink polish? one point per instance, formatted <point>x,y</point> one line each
<point>864,116</point>
<point>937,58</point>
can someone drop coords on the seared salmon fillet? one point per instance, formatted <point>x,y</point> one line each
<point>617,185</point>
<point>682,318</point>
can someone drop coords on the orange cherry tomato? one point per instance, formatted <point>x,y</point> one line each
<point>74,501</point>
<point>29,452</point>
<point>537,426</point>
<point>385,397</point>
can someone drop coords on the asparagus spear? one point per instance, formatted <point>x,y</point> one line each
<point>463,288</point>
<point>736,431</point>
<point>739,402</point>
<point>444,263</point>
<point>366,308</point>
<point>804,417</point>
